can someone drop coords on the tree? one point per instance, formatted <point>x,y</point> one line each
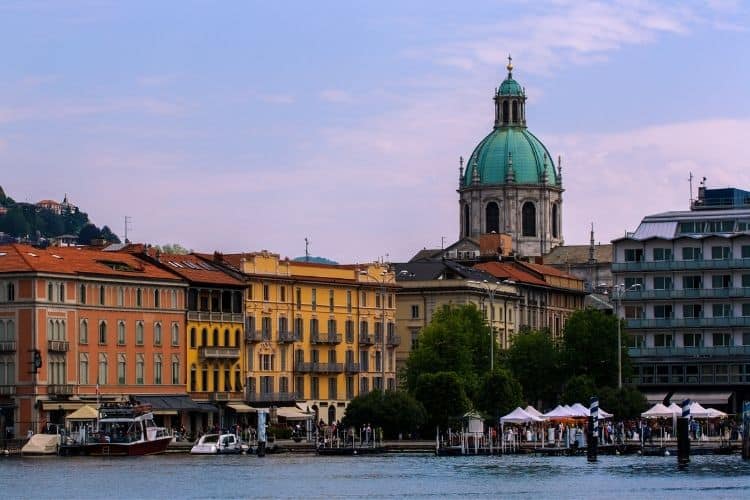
<point>173,249</point>
<point>443,397</point>
<point>578,389</point>
<point>397,412</point>
<point>14,223</point>
<point>533,360</point>
<point>590,347</point>
<point>88,232</point>
<point>627,402</point>
<point>107,234</point>
<point>456,340</point>
<point>499,393</point>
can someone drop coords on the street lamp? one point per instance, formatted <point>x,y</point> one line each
<point>491,291</point>
<point>381,282</point>
<point>619,291</point>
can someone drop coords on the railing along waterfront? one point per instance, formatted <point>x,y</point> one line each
<point>680,265</point>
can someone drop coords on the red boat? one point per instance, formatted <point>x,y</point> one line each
<point>127,430</point>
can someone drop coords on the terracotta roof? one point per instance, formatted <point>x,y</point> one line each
<point>577,254</point>
<point>510,271</point>
<point>549,270</point>
<point>78,261</point>
<point>198,270</point>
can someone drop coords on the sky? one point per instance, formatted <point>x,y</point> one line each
<point>242,126</point>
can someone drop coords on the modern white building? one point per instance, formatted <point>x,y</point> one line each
<point>685,283</point>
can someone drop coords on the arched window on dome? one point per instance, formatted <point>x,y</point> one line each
<point>492,218</point>
<point>467,220</point>
<point>555,222</point>
<point>515,112</point>
<point>506,113</point>
<point>528,216</point>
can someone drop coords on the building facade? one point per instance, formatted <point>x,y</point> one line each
<point>80,326</point>
<point>686,300</point>
<point>315,332</point>
<point>510,183</point>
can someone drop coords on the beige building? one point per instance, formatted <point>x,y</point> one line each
<point>427,286</point>
<point>314,332</point>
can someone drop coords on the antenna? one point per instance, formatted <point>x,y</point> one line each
<point>690,180</point>
<point>307,249</point>
<point>442,242</point>
<point>128,225</point>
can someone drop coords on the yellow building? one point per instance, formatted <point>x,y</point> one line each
<point>314,332</point>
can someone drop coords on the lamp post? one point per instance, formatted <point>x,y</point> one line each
<point>619,291</point>
<point>491,291</point>
<point>381,282</point>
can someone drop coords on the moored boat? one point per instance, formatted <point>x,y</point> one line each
<point>127,430</point>
<point>218,444</point>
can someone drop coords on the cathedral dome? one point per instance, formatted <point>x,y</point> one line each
<point>510,154</point>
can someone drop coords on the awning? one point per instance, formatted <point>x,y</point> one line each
<point>241,408</point>
<point>293,413</point>
<point>173,404</point>
<point>704,398</point>
<point>85,412</point>
<point>61,405</point>
<point>655,397</point>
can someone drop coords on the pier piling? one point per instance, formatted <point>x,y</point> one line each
<point>593,430</point>
<point>683,435</point>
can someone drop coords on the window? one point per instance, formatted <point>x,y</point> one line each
<point>349,301</point>
<point>377,300</point>
<point>138,297</point>
<point>216,380</point>
<point>692,311</point>
<point>721,281</point>
<point>314,327</point>
<point>746,281</point>
<point>83,368</point>
<point>631,312</point>
<point>192,337</point>
<point>314,299</point>
<point>662,282</point>
<point>173,299</point>
<point>121,333</point>
<point>364,361</point>
<point>415,311</point>
<point>692,282</point>
<point>215,336</point>
<point>745,338</point>
<point>298,298</point>
<point>746,251</point>
<point>227,380</point>
<point>266,362</point>
<point>10,294</point>
<point>102,295</point>
<point>349,331</point>
<point>83,332</point>
<point>139,333</point>
<point>102,332</point>
<point>332,388</point>
<point>284,384</point>
<point>176,334</point>
<point>663,340</point>
<point>120,296</point>
<point>266,328</point>
<point>176,372</point>
<point>364,385</point>
<point>266,293</point>
<point>632,282</point>
<point>746,310</point>
<point>720,252</point>
<point>330,300</point>
<point>102,375</point>
<point>692,253</point>
<point>363,329</point>
<point>390,301</point>
<point>299,387</point>
<point>349,387</point>
<point>50,291</point>
<point>636,341</point>
<point>528,215</point>
<point>157,298</point>
<point>62,292</point>
<point>467,220</point>
<point>555,221</point>
<point>633,254</point>
<point>82,294</point>
<point>157,334</point>
<point>157,369</point>
<point>692,339</point>
<point>663,311</point>
<point>492,218</point>
<point>204,337</point>
<point>363,299</point>
<point>299,328</point>
<point>314,388</point>
<point>662,254</point>
<point>226,337</point>
<point>139,369</point>
<point>722,310</point>
<point>121,369</point>
<point>250,292</point>
<point>204,378</point>
<point>722,339</point>
<point>332,327</point>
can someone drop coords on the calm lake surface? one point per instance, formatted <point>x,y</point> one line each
<point>388,476</point>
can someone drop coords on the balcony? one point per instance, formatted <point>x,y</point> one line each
<point>687,293</point>
<point>393,340</point>
<point>61,390</point>
<point>690,352</point>
<point>366,340</point>
<point>288,337</point>
<point>319,367</point>
<point>721,322</point>
<point>219,352</point>
<point>270,397</point>
<point>57,345</point>
<point>7,390</point>
<point>301,367</point>
<point>351,368</point>
<point>215,317</point>
<point>253,336</point>
<point>680,265</point>
<point>326,338</point>
<point>219,397</point>
<point>8,346</point>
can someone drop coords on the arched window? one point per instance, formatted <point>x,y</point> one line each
<point>192,337</point>
<point>226,337</point>
<point>103,332</point>
<point>82,294</point>
<point>138,297</point>
<point>83,332</point>
<point>555,230</point>
<point>204,337</point>
<point>515,112</point>
<point>175,334</point>
<point>62,292</point>
<point>528,216</point>
<point>506,114</point>
<point>492,218</point>
<point>157,302</point>
<point>467,220</point>
<point>139,333</point>
<point>101,295</point>
<point>237,338</point>
<point>215,338</point>
<point>103,368</point>
<point>157,333</point>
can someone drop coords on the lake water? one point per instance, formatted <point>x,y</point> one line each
<point>388,476</point>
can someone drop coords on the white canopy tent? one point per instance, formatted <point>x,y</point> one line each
<point>714,413</point>
<point>532,411</point>
<point>659,411</point>
<point>519,416</point>
<point>559,412</point>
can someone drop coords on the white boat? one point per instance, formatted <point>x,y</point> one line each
<point>218,444</point>
<point>126,429</point>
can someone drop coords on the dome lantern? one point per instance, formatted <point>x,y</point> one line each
<point>510,101</point>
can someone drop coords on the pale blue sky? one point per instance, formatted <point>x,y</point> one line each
<point>247,126</point>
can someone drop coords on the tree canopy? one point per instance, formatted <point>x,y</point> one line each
<point>534,361</point>
<point>397,412</point>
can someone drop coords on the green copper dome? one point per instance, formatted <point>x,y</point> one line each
<point>510,87</point>
<point>492,160</point>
